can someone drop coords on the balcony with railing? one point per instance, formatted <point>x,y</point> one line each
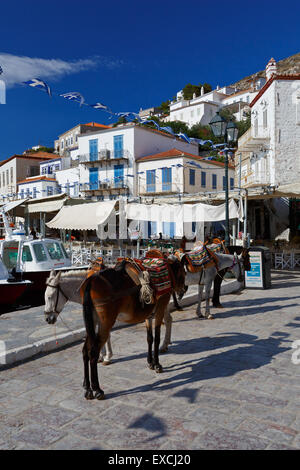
<point>114,185</point>
<point>260,178</point>
<point>104,156</point>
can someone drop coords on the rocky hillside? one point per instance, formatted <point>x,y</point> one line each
<point>289,65</point>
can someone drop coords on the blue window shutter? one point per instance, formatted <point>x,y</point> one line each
<point>118,146</point>
<point>224,183</point>
<point>192,177</point>
<point>214,181</point>
<point>231,183</point>
<point>150,180</point>
<point>166,179</point>
<point>93,145</point>
<point>203,179</point>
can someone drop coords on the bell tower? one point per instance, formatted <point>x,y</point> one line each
<point>271,68</point>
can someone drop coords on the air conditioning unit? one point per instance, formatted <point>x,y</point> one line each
<point>104,154</point>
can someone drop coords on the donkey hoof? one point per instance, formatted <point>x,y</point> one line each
<point>163,349</point>
<point>89,395</point>
<point>106,363</point>
<point>210,317</point>
<point>150,365</point>
<point>99,395</point>
<point>158,369</point>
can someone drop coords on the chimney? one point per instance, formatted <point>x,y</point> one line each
<point>202,91</point>
<point>271,68</point>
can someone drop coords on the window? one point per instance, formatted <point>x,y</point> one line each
<point>26,253</point>
<point>3,178</point>
<point>298,109</point>
<point>231,183</point>
<point>93,146</point>
<point>203,179</point>
<point>255,127</point>
<point>224,183</point>
<point>7,178</point>
<point>39,252</point>
<point>55,251</point>
<point>10,254</point>
<point>44,170</point>
<point>166,179</point>
<point>49,191</point>
<point>150,180</point>
<point>152,228</point>
<point>22,193</point>
<point>11,175</point>
<point>169,229</point>
<point>192,177</point>
<point>34,192</point>
<point>214,181</point>
<point>265,119</point>
<point>118,146</point>
<point>62,144</point>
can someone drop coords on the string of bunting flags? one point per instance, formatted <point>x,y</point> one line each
<point>78,98</point>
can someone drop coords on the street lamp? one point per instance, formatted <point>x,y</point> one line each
<point>221,128</point>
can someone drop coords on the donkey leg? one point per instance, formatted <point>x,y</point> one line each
<point>108,352</point>
<point>150,342</point>
<point>207,299</point>
<point>86,381</point>
<point>157,366</point>
<point>168,325</point>
<point>175,301</point>
<point>200,294</point>
<point>94,356</point>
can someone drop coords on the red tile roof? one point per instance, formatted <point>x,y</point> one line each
<point>31,156</point>
<point>37,178</point>
<point>95,124</point>
<point>269,82</point>
<point>175,153</point>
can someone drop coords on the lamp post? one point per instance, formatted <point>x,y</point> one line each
<point>221,128</point>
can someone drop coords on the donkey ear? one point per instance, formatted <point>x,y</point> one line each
<point>57,278</point>
<point>52,273</point>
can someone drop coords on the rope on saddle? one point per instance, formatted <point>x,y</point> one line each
<point>146,292</point>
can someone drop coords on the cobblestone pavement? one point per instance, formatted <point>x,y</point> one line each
<point>229,383</point>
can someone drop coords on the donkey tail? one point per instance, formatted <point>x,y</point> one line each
<point>88,309</point>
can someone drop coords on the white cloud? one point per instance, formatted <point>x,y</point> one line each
<point>17,69</point>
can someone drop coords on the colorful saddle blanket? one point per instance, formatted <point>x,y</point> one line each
<point>159,275</point>
<point>158,270</point>
<point>201,256</point>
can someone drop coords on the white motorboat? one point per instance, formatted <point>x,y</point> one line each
<point>10,289</point>
<point>32,259</point>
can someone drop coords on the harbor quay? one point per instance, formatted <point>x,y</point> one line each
<point>228,383</point>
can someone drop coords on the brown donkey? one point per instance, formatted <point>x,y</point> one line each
<point>123,293</point>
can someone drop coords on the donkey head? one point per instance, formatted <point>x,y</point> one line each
<point>178,271</point>
<point>55,299</point>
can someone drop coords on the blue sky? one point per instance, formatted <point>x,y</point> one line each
<point>127,55</point>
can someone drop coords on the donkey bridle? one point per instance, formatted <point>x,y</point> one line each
<point>59,291</point>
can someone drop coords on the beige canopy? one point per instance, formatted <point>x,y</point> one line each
<point>83,216</point>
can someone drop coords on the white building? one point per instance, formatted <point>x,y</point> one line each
<point>107,159</point>
<point>270,150</point>
<point>67,143</point>
<point>201,109</point>
<point>271,147</point>
<point>16,169</point>
<point>38,187</point>
<point>179,172</point>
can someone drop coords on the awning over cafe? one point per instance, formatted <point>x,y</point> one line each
<point>82,216</point>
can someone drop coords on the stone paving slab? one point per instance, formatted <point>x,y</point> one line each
<point>229,383</point>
